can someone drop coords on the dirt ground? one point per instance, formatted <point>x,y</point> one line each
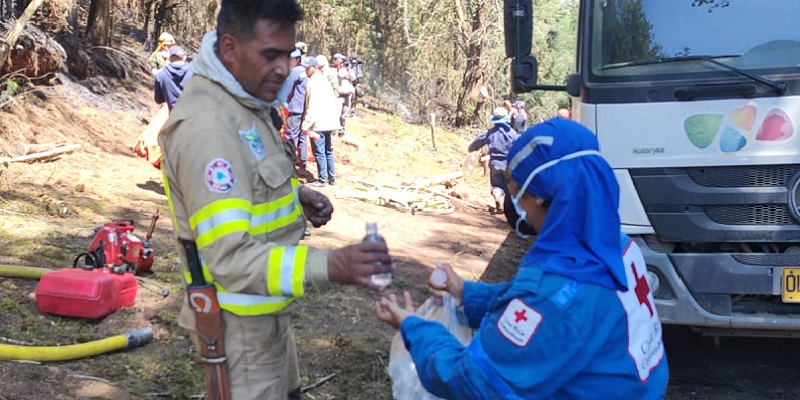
<point>48,212</point>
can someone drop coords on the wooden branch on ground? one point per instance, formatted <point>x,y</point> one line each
<point>445,177</point>
<point>30,148</point>
<point>436,180</point>
<point>13,35</point>
<point>89,378</point>
<point>16,96</point>
<point>441,178</point>
<point>351,142</point>
<point>42,156</point>
<point>16,342</point>
<point>318,383</point>
<point>433,130</point>
<point>456,199</point>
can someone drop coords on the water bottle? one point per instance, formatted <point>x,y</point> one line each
<point>381,280</point>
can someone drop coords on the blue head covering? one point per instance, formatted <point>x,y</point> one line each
<point>579,238</point>
<point>500,120</point>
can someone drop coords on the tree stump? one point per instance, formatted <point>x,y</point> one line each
<point>34,55</point>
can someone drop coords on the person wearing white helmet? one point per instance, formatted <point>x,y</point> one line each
<point>160,57</point>
<point>499,139</point>
<point>302,46</point>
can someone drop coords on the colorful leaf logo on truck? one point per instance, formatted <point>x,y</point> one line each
<point>736,129</point>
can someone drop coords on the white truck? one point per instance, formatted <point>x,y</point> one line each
<point>696,106</point>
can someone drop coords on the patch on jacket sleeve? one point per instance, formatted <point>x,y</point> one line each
<point>219,176</point>
<point>519,322</point>
<point>253,141</point>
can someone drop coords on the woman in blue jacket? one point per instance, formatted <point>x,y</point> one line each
<point>578,320</point>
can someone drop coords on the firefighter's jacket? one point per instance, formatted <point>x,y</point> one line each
<point>232,188</point>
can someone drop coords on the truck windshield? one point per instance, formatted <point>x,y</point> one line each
<point>630,39</point>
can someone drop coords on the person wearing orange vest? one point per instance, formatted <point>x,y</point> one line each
<point>233,190</point>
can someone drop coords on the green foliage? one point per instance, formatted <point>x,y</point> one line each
<point>9,305</point>
<point>554,43</point>
<point>417,52</point>
<point>9,88</point>
<point>170,318</point>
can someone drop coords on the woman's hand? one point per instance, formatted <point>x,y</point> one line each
<point>453,285</point>
<point>388,310</point>
<point>313,135</point>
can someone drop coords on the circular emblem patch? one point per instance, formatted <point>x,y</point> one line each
<point>219,176</point>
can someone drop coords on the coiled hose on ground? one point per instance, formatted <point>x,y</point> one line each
<point>129,340</point>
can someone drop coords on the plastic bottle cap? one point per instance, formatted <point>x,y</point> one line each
<point>439,277</point>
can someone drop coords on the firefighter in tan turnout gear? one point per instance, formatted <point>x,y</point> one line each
<point>233,190</point>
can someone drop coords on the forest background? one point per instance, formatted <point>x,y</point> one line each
<point>420,56</point>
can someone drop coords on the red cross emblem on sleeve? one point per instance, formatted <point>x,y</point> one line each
<point>519,322</point>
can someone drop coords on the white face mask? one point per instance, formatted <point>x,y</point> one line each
<point>523,216</point>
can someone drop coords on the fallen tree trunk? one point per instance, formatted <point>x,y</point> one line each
<point>41,156</point>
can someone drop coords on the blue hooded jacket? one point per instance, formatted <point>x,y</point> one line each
<point>499,138</point>
<point>578,321</point>
<point>170,82</point>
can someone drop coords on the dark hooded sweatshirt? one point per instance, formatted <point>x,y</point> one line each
<point>170,82</point>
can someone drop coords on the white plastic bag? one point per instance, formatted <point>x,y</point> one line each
<point>405,382</point>
<point>472,161</point>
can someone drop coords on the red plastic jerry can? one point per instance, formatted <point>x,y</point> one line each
<point>81,293</point>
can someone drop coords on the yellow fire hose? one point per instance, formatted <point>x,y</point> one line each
<point>129,340</point>
<point>16,271</point>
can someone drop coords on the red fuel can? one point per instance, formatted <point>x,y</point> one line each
<point>75,292</point>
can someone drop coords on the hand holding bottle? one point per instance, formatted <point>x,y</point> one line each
<point>452,283</point>
<point>380,280</point>
<point>357,263</point>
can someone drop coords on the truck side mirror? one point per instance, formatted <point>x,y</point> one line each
<point>518,27</point>
<point>574,85</point>
<point>524,72</point>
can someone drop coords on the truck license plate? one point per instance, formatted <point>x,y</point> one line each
<point>790,285</point>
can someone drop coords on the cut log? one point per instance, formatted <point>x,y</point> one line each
<point>42,156</point>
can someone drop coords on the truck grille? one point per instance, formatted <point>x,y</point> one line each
<point>771,214</point>
<point>754,176</point>
<point>744,204</point>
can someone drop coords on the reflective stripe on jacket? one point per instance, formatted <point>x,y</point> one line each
<point>233,189</point>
